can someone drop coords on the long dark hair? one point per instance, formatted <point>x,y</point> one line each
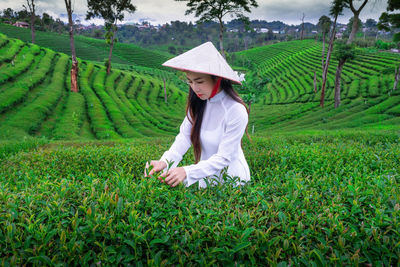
<point>195,107</point>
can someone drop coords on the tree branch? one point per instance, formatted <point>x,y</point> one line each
<point>363,5</point>
<point>356,11</point>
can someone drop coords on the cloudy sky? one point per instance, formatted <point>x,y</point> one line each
<point>162,11</point>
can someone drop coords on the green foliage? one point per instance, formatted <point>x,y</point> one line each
<point>215,11</point>
<point>15,92</point>
<point>304,205</point>
<point>109,10</point>
<point>27,118</point>
<point>9,148</point>
<point>130,103</point>
<point>324,23</point>
<point>19,64</point>
<point>12,49</point>
<point>71,121</point>
<point>384,45</point>
<point>253,86</point>
<point>343,51</point>
<point>390,20</point>
<point>89,48</point>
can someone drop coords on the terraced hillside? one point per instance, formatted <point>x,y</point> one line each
<point>91,48</point>
<point>290,103</point>
<point>35,98</point>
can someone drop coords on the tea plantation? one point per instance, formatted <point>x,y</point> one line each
<point>324,186</point>
<point>91,48</point>
<point>290,103</point>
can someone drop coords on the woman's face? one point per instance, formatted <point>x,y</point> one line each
<point>201,84</point>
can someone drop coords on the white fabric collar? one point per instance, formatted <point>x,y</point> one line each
<point>218,97</point>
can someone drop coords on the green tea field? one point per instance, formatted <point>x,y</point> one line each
<point>290,103</point>
<point>324,188</point>
<point>90,48</point>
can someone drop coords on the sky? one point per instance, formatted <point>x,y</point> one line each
<point>163,11</point>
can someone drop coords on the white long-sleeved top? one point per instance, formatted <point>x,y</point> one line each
<point>223,126</point>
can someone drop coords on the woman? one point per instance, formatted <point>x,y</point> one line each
<point>216,119</point>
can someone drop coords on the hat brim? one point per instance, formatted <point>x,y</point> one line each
<point>183,69</point>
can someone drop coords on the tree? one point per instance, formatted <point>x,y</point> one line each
<point>172,49</point>
<point>74,68</point>
<point>389,20</point>
<point>47,21</point>
<point>356,18</point>
<point>216,10</point>
<point>112,12</point>
<point>252,88</point>
<point>31,5</point>
<point>349,28</point>
<point>342,60</point>
<point>343,52</point>
<point>23,15</point>
<point>370,23</point>
<point>302,27</point>
<point>335,10</point>
<point>324,23</point>
<point>9,13</point>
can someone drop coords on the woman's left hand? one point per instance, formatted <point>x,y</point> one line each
<point>175,176</point>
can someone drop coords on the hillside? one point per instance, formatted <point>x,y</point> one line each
<point>91,48</point>
<point>129,103</point>
<point>290,103</point>
<point>35,98</point>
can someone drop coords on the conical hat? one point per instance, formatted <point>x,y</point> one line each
<point>204,58</point>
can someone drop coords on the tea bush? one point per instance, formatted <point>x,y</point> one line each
<point>313,199</point>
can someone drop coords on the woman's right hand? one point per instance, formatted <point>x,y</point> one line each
<point>157,166</point>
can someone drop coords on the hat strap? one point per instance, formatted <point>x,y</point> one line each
<point>214,91</point>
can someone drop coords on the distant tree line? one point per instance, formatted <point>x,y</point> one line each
<point>178,36</point>
<point>42,23</point>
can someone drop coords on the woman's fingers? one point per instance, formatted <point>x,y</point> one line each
<point>162,177</point>
<point>146,168</point>
<point>176,182</point>
<point>169,176</point>
<point>154,169</point>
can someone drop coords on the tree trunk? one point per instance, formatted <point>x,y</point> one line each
<point>396,78</point>
<point>221,45</point>
<point>326,66</point>
<point>33,27</point>
<point>165,92</point>
<point>74,68</point>
<point>337,82</point>
<point>323,50</point>
<point>110,54</point>
<point>354,29</point>
<point>302,28</point>
<point>356,14</point>
<point>74,77</point>
<point>31,6</point>
<point>315,81</point>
